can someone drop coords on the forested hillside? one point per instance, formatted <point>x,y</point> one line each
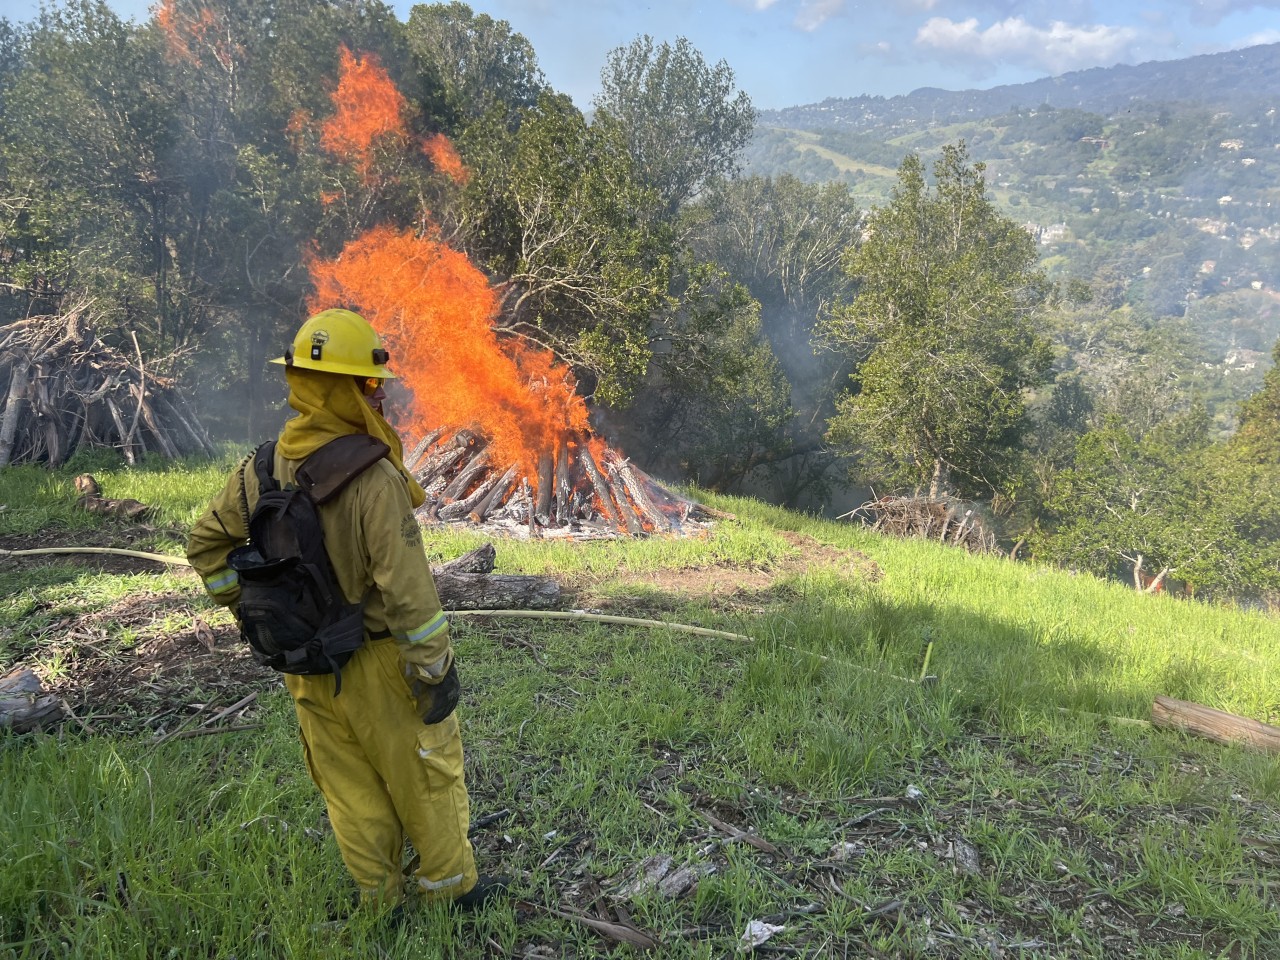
<point>1154,183</point>
<point>1058,314</point>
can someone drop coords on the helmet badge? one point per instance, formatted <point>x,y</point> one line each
<point>318,339</point>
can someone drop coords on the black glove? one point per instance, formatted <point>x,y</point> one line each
<point>438,699</point>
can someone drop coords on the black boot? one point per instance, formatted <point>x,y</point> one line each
<point>486,890</point>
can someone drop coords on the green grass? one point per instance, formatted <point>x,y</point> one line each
<point>611,745</point>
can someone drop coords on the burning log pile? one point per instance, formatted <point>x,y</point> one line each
<point>574,492</point>
<point>62,390</point>
<point>944,519</point>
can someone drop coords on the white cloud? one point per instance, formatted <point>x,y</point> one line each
<point>814,13</point>
<point>1256,39</point>
<point>763,4</point>
<point>1058,48</point>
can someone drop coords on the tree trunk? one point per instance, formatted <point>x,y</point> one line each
<point>9,424</point>
<point>939,481</point>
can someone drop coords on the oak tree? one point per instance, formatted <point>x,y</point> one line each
<point>942,330</point>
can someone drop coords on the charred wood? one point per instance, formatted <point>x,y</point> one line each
<point>496,496</point>
<point>604,496</point>
<point>461,483</point>
<point>412,461</point>
<point>638,497</point>
<point>439,464</point>
<point>563,488</point>
<point>460,508</point>
<point>546,474</point>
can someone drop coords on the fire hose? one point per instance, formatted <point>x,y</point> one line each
<point>924,677</point>
<point>115,551</point>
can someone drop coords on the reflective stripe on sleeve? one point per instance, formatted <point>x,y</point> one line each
<point>223,581</point>
<point>429,630</point>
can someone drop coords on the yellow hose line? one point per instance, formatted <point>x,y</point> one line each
<point>601,618</point>
<point>679,627</point>
<point>530,614</point>
<point>114,551</point>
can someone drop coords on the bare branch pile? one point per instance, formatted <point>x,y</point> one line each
<point>944,519</point>
<point>62,390</point>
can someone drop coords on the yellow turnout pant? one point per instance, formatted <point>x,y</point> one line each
<point>384,774</point>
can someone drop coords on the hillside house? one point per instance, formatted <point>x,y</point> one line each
<point>1240,360</point>
<point>1044,235</point>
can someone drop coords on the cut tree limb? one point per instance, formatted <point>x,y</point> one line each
<point>468,583</point>
<point>483,591</point>
<point>1214,724</point>
<point>24,706</point>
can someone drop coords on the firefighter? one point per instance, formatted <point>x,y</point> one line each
<point>385,751</point>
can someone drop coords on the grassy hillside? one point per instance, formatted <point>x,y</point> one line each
<point>803,776</point>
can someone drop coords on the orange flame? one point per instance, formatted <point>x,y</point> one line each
<point>368,110</point>
<point>435,311</point>
<point>442,153</point>
<point>431,305</point>
<point>188,36</point>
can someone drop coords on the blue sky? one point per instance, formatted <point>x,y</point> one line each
<point>788,52</point>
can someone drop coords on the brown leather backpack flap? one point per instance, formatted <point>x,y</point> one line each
<point>327,472</point>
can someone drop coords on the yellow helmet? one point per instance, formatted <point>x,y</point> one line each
<point>338,341</point>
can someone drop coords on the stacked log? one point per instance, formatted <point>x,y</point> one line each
<point>65,390</point>
<point>567,493</point>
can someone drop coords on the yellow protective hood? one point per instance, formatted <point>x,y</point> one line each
<point>331,405</point>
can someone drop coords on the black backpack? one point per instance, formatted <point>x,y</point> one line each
<point>292,611</point>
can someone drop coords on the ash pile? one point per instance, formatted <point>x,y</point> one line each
<point>575,493</point>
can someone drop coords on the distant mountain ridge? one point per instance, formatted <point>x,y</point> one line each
<point>1231,80</point>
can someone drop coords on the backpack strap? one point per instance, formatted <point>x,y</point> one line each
<point>328,471</point>
<point>263,460</point>
<point>264,465</point>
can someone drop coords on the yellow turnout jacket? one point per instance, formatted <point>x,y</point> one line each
<point>373,541</point>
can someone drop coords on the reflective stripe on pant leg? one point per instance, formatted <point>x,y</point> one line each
<point>360,809</point>
<point>423,769</point>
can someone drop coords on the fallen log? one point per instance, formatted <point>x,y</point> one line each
<point>24,706</point>
<point>469,591</point>
<point>1214,725</point>
<point>92,501</point>
<point>468,583</point>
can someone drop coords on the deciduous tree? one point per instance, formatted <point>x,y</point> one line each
<point>683,121</point>
<point>557,211</point>
<point>480,63</point>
